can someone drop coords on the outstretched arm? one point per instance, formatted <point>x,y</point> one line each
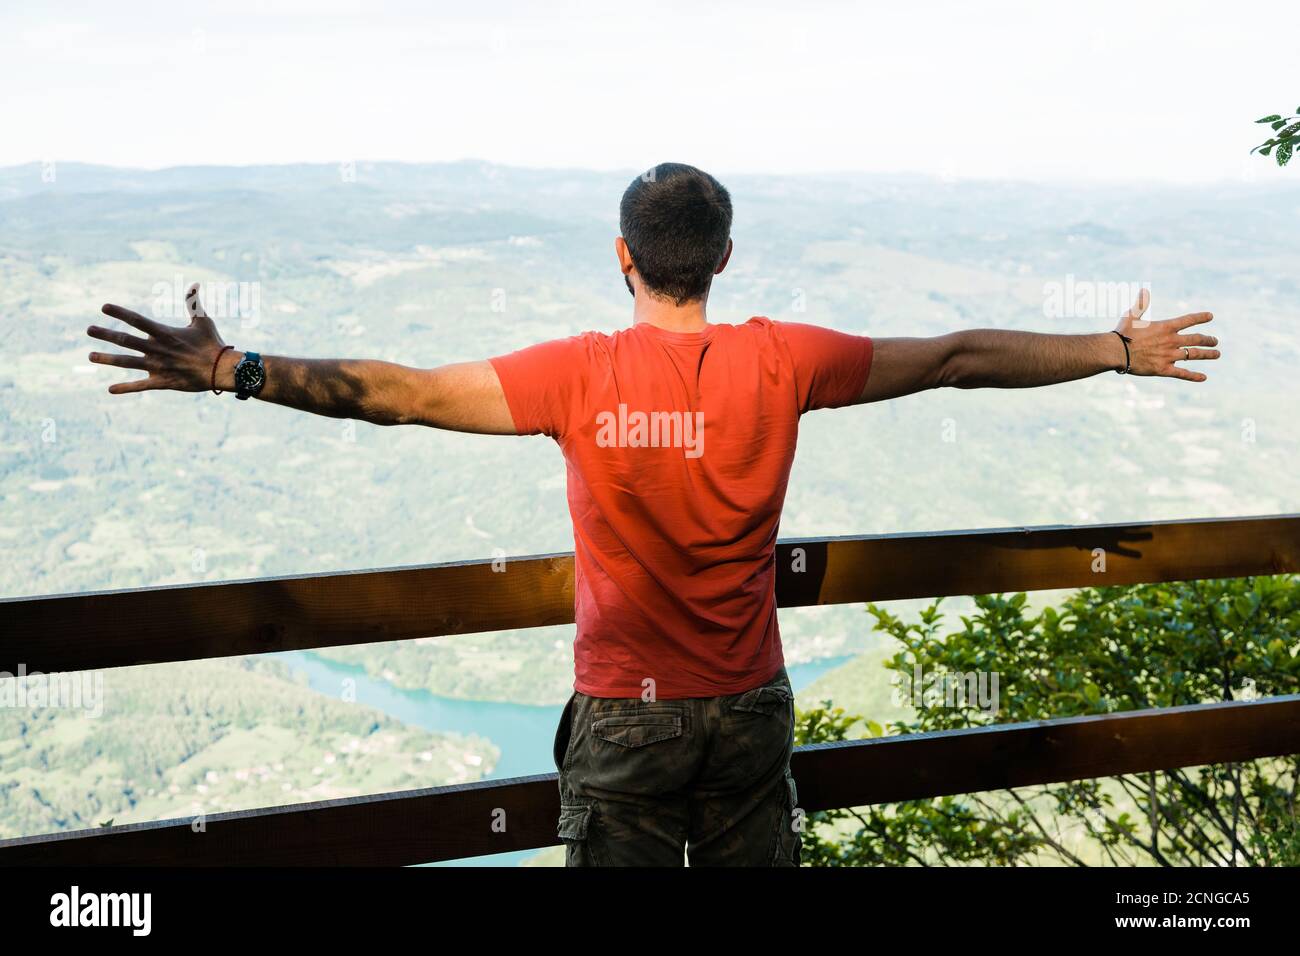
<point>994,358</point>
<point>464,397</point>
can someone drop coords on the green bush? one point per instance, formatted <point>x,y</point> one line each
<point>1103,650</point>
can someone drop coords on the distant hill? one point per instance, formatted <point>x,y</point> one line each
<point>184,740</point>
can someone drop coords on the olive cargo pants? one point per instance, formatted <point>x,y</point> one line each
<point>641,784</point>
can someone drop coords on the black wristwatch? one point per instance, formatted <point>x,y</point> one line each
<point>250,376</point>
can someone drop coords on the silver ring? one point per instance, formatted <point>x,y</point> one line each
<point>1186,354</point>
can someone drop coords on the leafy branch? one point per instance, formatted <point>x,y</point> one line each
<point>1281,144</point>
<point>1108,649</point>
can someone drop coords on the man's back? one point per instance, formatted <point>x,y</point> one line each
<point>679,446</point>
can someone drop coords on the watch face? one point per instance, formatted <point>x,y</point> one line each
<point>249,376</point>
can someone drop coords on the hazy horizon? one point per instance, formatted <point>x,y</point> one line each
<point>1287,183</point>
<point>1163,91</point>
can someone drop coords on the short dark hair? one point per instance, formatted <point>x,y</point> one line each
<point>676,221</point>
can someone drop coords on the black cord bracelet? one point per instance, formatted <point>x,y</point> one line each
<point>1127,358</point>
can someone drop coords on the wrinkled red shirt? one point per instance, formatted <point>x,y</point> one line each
<point>679,447</point>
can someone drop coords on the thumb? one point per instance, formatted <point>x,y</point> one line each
<point>193,305</point>
<point>1138,309</point>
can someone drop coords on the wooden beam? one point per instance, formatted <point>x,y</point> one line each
<point>422,826</point>
<point>892,769</point>
<point>192,622</point>
<point>890,567</point>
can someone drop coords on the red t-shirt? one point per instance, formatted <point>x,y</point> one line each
<point>679,446</point>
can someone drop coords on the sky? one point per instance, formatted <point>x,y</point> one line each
<point>1119,91</point>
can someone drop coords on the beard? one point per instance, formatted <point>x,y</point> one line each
<point>630,290</point>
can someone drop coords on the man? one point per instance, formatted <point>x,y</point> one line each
<point>679,436</point>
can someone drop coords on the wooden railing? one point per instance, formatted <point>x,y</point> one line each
<point>113,629</point>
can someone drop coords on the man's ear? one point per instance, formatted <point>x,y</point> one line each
<point>725,256</point>
<point>625,263</point>
<point>624,255</point>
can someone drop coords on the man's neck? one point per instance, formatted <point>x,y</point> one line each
<point>666,314</point>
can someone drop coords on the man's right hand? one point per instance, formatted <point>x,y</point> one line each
<point>179,358</point>
<point>1154,347</point>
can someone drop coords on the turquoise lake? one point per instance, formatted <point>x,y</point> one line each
<point>523,732</point>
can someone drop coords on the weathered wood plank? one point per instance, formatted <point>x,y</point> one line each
<point>190,622</point>
<point>453,822</point>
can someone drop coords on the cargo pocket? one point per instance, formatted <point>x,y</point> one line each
<point>637,730</point>
<point>637,752</point>
<point>575,820</point>
<point>788,841</point>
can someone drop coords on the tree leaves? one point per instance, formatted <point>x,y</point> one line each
<point>1100,650</point>
<point>1286,128</point>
